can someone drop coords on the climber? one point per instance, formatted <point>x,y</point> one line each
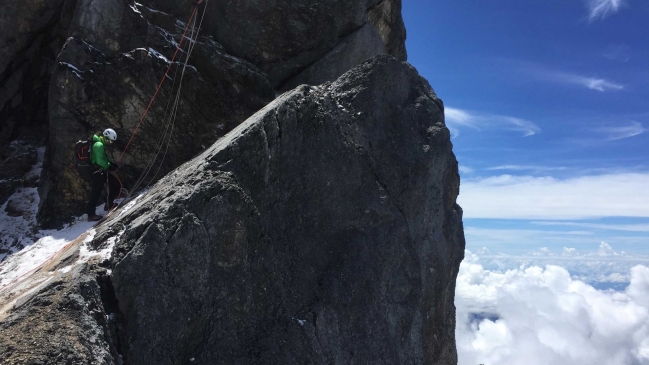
<point>102,174</point>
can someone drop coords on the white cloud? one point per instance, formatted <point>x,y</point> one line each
<point>465,169</point>
<point>528,128</point>
<point>600,9</point>
<point>543,316</point>
<point>592,83</point>
<point>616,133</point>
<point>460,117</point>
<point>548,198</point>
<point>457,118</point>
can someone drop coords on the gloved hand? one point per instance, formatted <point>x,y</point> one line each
<point>113,166</point>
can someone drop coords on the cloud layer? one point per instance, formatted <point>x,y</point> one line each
<point>527,197</point>
<point>602,266</point>
<point>542,316</point>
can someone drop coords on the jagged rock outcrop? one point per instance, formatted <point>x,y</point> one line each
<point>323,230</point>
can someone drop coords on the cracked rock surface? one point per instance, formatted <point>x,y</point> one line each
<point>324,229</point>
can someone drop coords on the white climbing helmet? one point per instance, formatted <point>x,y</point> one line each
<point>110,134</point>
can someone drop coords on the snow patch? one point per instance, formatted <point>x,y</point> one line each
<point>159,55</point>
<point>74,69</point>
<point>37,254</point>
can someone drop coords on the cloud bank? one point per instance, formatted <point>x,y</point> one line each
<point>548,198</point>
<point>598,268</point>
<point>542,316</point>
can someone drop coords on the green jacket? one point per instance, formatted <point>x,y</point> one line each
<point>98,155</point>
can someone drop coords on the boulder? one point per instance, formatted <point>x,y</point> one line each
<point>324,230</point>
<point>105,78</point>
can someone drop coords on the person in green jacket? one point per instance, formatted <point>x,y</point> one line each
<point>101,175</point>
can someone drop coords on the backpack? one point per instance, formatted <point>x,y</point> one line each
<point>81,157</point>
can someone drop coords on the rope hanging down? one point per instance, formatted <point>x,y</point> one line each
<point>170,117</point>
<point>161,82</point>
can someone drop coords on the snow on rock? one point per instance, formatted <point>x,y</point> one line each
<point>38,253</point>
<point>40,246</point>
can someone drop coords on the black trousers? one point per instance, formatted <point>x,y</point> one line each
<point>97,181</point>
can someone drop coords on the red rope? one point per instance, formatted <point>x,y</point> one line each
<point>120,186</point>
<point>159,85</point>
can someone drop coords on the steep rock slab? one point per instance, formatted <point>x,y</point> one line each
<point>105,78</point>
<point>324,229</point>
<point>283,37</point>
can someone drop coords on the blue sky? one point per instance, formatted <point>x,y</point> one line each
<point>548,105</point>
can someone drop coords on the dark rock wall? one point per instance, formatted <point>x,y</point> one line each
<point>284,37</point>
<point>31,34</point>
<point>322,230</point>
<point>106,78</point>
<point>57,90</point>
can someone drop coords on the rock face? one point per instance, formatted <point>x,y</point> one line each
<point>283,37</point>
<point>31,33</point>
<point>64,323</point>
<point>71,68</point>
<point>106,77</point>
<point>324,229</point>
